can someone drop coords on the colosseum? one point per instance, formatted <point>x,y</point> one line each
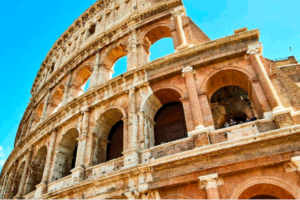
<point>213,120</point>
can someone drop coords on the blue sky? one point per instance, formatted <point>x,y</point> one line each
<point>30,28</point>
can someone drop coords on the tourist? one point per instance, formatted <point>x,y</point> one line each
<point>248,119</point>
<point>226,125</point>
<point>253,118</point>
<point>232,122</point>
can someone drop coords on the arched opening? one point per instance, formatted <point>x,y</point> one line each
<point>120,67</point>
<point>110,63</point>
<point>16,184</point>
<point>115,144</point>
<point>266,191</point>
<point>38,115</point>
<point>56,99</point>
<point>36,170</point>
<point>170,123</point>
<point>81,82</point>
<point>166,110</point>
<point>233,100</point>
<point>231,103</point>
<point>109,136</point>
<point>158,42</point>
<point>161,48</point>
<point>65,158</point>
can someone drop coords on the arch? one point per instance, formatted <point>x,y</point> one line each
<point>105,126</point>
<point>224,77</point>
<point>113,54</point>
<point>265,180</point>
<point>66,153</point>
<point>36,170</point>
<point>38,114</point>
<point>80,80</point>
<point>55,99</point>
<point>151,31</point>
<point>17,180</point>
<point>155,98</point>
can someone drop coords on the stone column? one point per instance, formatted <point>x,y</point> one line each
<point>31,120</point>
<point>179,29</point>
<point>104,74</point>
<point>95,73</point>
<point>24,175</point>
<point>131,157</point>
<point>210,183</point>
<point>208,119</point>
<point>193,97</point>
<point>42,187</point>
<point>132,195</point>
<point>10,181</point>
<point>67,89</point>
<point>78,172</point>
<point>254,52</point>
<point>44,113</point>
<point>132,54</point>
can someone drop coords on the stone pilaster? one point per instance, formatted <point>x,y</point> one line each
<point>132,54</point>
<point>188,73</point>
<point>131,156</point>
<point>176,16</point>
<point>210,183</point>
<point>95,73</point>
<point>31,120</point>
<point>67,89</point>
<point>42,187</point>
<point>78,172</point>
<point>44,113</point>
<point>25,174</point>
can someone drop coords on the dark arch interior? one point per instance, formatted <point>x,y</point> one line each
<point>115,138</point>
<point>231,103</point>
<point>263,197</point>
<point>170,123</point>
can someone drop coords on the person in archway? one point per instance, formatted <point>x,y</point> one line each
<point>232,122</point>
<point>248,120</point>
<point>253,118</point>
<point>226,125</point>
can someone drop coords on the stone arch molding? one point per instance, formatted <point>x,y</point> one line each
<point>265,180</point>
<point>151,93</point>
<point>219,70</point>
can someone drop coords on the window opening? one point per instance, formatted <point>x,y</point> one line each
<point>115,145</point>
<point>120,67</point>
<point>161,48</point>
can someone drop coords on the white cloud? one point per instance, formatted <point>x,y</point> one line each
<point>3,155</point>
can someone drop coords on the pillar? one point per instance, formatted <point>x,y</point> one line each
<point>10,181</point>
<point>104,74</point>
<point>67,89</point>
<point>44,114</point>
<point>208,119</point>
<point>42,187</point>
<point>78,172</point>
<point>95,73</point>
<point>193,97</point>
<point>132,54</point>
<point>210,183</point>
<point>25,174</point>
<point>179,29</point>
<point>254,52</point>
<point>131,156</point>
<point>31,120</point>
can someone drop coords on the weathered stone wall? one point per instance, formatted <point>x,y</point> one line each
<point>61,145</point>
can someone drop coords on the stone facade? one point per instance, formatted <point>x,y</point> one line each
<point>63,139</point>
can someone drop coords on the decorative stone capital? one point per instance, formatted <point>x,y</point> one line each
<point>210,181</point>
<point>293,166</point>
<point>187,70</point>
<point>132,195</point>
<point>255,49</point>
<point>178,13</point>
